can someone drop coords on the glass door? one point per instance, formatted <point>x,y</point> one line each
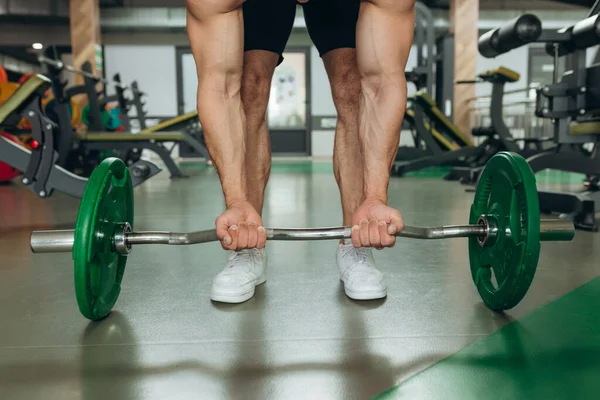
<point>189,83</point>
<point>288,112</point>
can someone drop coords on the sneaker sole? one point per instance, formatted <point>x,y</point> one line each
<point>366,295</point>
<point>235,298</point>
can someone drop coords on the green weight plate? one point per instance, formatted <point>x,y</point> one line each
<point>107,202</point>
<point>504,267</point>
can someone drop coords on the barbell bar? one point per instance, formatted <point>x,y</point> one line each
<point>61,241</point>
<point>59,65</point>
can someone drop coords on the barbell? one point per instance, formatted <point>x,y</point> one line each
<point>504,234</point>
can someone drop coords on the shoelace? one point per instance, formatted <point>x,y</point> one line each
<point>241,258</point>
<point>361,254</point>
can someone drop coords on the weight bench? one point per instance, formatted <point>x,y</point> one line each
<point>131,141</point>
<point>440,121</point>
<point>40,172</point>
<point>459,147</point>
<point>188,125</point>
<point>428,141</point>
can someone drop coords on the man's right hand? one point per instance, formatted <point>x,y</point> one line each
<point>241,227</point>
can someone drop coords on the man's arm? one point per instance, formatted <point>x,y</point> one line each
<point>384,36</point>
<point>216,34</point>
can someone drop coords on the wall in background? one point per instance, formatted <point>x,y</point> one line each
<point>153,66</point>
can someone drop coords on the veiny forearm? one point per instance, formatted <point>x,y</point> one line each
<point>223,123</point>
<point>216,38</point>
<point>380,118</point>
<point>384,38</point>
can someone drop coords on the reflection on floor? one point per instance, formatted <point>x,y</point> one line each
<point>299,337</point>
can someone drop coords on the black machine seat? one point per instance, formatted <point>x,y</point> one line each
<point>36,85</point>
<point>500,75</point>
<point>483,131</point>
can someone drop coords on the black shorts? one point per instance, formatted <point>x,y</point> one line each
<point>331,24</point>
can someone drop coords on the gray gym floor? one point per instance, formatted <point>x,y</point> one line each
<point>299,337</point>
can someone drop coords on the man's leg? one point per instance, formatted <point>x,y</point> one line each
<point>344,79</point>
<point>332,26</point>
<point>267,27</point>
<point>259,66</point>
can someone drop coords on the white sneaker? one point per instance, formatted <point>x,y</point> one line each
<point>244,271</point>
<point>362,281</point>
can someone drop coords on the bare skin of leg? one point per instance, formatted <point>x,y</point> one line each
<point>344,80</point>
<point>259,66</point>
<point>215,31</point>
<point>384,36</point>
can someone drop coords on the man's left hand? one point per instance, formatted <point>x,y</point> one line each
<point>374,224</point>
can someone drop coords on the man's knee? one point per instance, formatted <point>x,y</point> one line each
<point>344,78</point>
<point>345,90</point>
<point>256,82</point>
<point>345,96</point>
<point>255,92</point>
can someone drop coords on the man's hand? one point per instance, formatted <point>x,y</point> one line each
<point>241,227</point>
<point>374,225</point>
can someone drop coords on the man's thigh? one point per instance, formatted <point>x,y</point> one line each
<point>331,24</point>
<point>268,24</point>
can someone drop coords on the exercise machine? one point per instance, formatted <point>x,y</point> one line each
<point>572,103</point>
<point>64,110</point>
<point>497,136</point>
<point>125,144</point>
<point>41,174</point>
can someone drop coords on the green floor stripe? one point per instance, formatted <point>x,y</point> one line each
<point>552,353</point>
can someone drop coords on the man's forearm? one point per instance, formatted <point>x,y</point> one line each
<point>384,38</point>
<point>223,124</point>
<point>215,30</point>
<point>380,119</point>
